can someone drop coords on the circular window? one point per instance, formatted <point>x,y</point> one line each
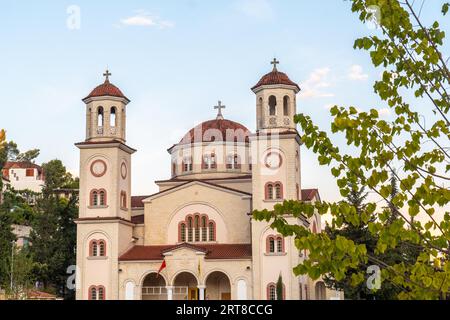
<point>123,170</point>
<point>98,168</point>
<point>273,160</point>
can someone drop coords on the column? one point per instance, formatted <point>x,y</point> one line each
<point>201,290</point>
<point>169,293</point>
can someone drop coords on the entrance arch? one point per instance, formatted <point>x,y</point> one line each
<point>185,287</point>
<point>218,286</point>
<point>154,287</point>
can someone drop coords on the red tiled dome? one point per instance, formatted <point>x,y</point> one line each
<point>275,77</point>
<point>217,130</point>
<point>106,89</point>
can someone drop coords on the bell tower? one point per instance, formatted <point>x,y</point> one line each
<point>106,113</point>
<point>275,149</point>
<point>275,101</point>
<point>104,229</point>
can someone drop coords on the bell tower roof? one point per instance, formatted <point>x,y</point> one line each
<point>106,89</point>
<point>275,77</point>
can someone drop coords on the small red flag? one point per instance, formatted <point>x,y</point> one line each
<point>163,265</point>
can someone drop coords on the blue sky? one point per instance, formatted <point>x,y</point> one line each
<point>174,60</point>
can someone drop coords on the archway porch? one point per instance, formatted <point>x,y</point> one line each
<point>186,286</point>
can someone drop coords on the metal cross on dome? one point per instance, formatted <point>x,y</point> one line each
<point>219,107</point>
<point>107,74</point>
<point>275,62</point>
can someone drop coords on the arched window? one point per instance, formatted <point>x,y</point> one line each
<point>92,293</point>
<point>100,117</point>
<point>280,245</point>
<point>271,291</point>
<point>275,244</point>
<point>93,249</point>
<point>182,232</point>
<point>97,198</point>
<point>190,229</point>
<point>269,191</point>
<point>271,247</point>
<point>233,162</point>
<point>113,118</point>
<point>260,114</point>
<point>237,162</point>
<point>272,105</point>
<point>204,230</point>
<point>94,198</point>
<point>96,293</point>
<point>197,228</point>
<point>102,248</point>
<point>278,191</point>
<point>102,197</point>
<point>97,248</point>
<point>101,292</point>
<point>286,106</point>
<point>209,161</point>
<point>187,164</point>
<point>212,231</point>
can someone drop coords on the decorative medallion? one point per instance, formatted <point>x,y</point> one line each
<point>123,170</point>
<point>98,168</point>
<point>273,160</point>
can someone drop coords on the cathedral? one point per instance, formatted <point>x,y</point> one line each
<point>196,238</point>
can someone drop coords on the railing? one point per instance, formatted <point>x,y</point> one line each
<point>160,293</point>
<point>154,291</point>
<point>100,130</point>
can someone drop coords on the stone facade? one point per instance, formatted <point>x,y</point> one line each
<point>195,238</point>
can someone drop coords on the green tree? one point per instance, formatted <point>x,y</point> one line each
<point>54,230</point>
<point>360,235</point>
<point>23,278</point>
<point>279,288</point>
<point>56,176</point>
<point>413,69</point>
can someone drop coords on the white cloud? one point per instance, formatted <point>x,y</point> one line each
<point>384,112</point>
<point>317,80</point>
<point>260,9</point>
<point>144,19</point>
<point>356,73</point>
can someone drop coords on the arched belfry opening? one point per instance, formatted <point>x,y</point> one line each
<point>113,117</point>
<point>286,102</point>
<point>100,120</point>
<point>106,106</point>
<point>272,105</point>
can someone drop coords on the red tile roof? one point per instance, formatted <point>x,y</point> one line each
<point>213,251</point>
<point>106,89</point>
<point>275,77</point>
<point>21,165</point>
<point>138,219</point>
<point>216,130</point>
<point>309,194</point>
<point>39,295</point>
<point>136,201</point>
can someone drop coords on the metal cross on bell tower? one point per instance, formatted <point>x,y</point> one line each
<point>219,107</point>
<point>275,62</point>
<point>106,75</point>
